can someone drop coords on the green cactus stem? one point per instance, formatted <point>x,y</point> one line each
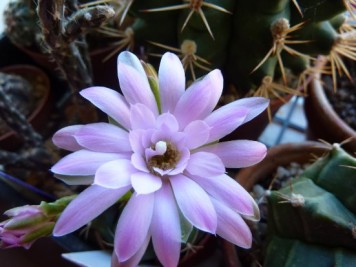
<point>315,216</point>
<point>283,252</point>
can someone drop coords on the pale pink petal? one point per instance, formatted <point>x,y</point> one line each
<point>255,106</point>
<point>229,192</point>
<point>182,163</point>
<point>141,117</point>
<point>136,88</point>
<point>76,180</point>
<point>145,183</point>
<point>84,162</point>
<point>167,121</point>
<point>205,164</point>
<point>168,238</point>
<point>103,137</point>
<point>225,120</point>
<point>110,102</point>
<point>130,59</point>
<point>194,203</point>
<point>171,81</point>
<point>197,134</point>
<point>135,259</point>
<point>138,162</point>
<point>64,138</point>
<point>239,153</point>
<point>199,99</point>
<point>232,227</point>
<point>114,174</point>
<point>85,207</point>
<point>133,226</point>
<point>135,138</point>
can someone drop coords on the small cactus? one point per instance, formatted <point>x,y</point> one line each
<point>315,216</point>
<point>21,23</point>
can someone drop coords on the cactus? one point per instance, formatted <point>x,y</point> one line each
<point>255,43</point>
<point>21,23</point>
<point>14,97</point>
<point>316,216</point>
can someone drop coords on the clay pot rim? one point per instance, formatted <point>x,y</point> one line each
<point>18,69</point>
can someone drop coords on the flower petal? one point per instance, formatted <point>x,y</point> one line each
<point>141,117</point>
<point>229,192</point>
<point>135,259</point>
<point>76,180</point>
<point>205,164</point>
<point>133,226</point>
<point>255,105</point>
<point>85,207</point>
<point>232,227</point>
<point>130,59</point>
<point>197,134</point>
<point>103,137</point>
<point>199,99</point>
<point>136,88</point>
<point>145,183</point>
<point>171,81</point>
<point>239,153</point>
<point>138,162</point>
<point>114,174</point>
<point>168,238</point>
<point>224,120</point>
<point>167,121</point>
<point>64,138</point>
<point>194,203</point>
<point>110,102</point>
<point>84,162</point>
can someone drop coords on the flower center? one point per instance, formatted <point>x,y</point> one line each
<point>167,158</point>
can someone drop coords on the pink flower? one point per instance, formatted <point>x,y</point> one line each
<point>25,226</point>
<point>165,149</point>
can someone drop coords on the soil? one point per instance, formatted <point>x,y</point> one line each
<point>343,99</point>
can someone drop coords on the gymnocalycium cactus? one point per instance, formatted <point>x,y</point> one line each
<point>254,42</point>
<point>316,216</point>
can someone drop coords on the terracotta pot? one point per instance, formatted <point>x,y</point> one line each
<point>39,116</point>
<point>323,122</point>
<point>281,155</point>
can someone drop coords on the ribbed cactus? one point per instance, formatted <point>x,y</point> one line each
<point>255,43</point>
<point>315,217</point>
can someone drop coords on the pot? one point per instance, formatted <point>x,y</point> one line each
<point>323,122</point>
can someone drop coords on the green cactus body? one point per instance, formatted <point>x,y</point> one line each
<point>210,48</point>
<point>319,208</point>
<point>159,27</point>
<point>316,10</point>
<point>337,177</point>
<point>282,252</point>
<point>252,39</point>
<point>320,213</point>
